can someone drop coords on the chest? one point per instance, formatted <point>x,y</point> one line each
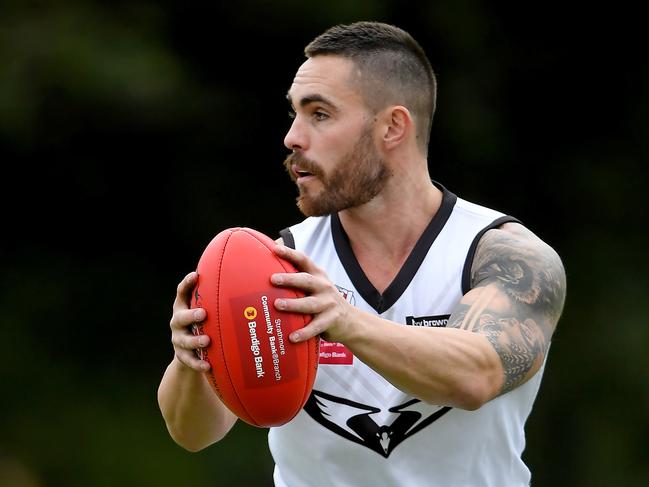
<point>379,270</point>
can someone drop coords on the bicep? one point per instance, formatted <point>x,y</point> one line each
<point>519,337</point>
<point>517,297</point>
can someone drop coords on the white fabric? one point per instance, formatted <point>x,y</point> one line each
<point>460,448</point>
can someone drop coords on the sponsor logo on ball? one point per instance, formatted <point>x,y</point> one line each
<point>250,313</point>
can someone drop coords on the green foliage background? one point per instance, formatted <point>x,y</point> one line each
<point>132,132</point>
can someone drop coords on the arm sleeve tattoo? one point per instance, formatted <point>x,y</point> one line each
<point>520,283</point>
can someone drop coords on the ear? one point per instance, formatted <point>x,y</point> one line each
<point>397,127</point>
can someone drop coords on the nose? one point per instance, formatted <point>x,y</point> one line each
<point>295,138</point>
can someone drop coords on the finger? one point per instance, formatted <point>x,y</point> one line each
<point>184,291</point>
<point>189,342</point>
<point>190,359</point>
<point>314,328</point>
<point>299,280</point>
<point>299,259</point>
<point>183,318</point>
<point>308,305</point>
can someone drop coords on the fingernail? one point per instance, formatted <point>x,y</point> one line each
<point>199,315</point>
<point>295,337</point>
<point>280,303</point>
<point>276,279</point>
<point>202,341</point>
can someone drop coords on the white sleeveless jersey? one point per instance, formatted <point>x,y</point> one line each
<point>356,429</point>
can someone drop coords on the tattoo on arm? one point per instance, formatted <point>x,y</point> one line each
<point>522,291</point>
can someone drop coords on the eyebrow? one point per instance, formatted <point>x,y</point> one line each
<point>315,98</point>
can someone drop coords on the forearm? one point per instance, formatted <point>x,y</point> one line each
<point>194,415</point>
<point>441,366</point>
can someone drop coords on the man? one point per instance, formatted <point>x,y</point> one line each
<point>440,312</point>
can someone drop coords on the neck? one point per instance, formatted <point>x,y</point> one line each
<point>383,232</point>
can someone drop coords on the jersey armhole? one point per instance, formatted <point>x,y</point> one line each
<point>287,237</point>
<point>468,263</point>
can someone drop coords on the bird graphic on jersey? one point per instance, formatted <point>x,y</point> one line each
<point>353,420</point>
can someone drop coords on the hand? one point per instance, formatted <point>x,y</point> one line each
<point>184,341</point>
<point>331,312</point>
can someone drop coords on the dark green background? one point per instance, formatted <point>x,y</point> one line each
<point>132,132</point>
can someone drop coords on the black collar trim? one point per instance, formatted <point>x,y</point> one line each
<point>383,302</point>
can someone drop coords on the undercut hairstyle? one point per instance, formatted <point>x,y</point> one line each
<point>391,69</point>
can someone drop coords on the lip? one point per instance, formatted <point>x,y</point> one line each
<point>305,176</point>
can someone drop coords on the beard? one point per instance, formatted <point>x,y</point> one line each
<point>357,178</point>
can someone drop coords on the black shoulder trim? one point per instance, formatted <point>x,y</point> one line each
<point>382,302</point>
<point>287,237</point>
<point>468,263</point>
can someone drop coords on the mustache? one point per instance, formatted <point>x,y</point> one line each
<point>305,164</point>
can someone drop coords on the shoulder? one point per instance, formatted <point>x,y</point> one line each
<point>528,268</point>
<point>305,231</point>
<point>514,238</point>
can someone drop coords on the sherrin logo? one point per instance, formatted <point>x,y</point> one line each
<point>250,313</point>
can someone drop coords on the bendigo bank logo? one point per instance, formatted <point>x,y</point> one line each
<point>250,313</point>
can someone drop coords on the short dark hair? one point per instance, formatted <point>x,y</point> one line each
<point>392,68</point>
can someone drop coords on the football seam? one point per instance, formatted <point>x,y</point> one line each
<point>218,312</point>
<point>281,263</point>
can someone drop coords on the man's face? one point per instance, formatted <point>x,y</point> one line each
<point>335,162</point>
<point>354,180</point>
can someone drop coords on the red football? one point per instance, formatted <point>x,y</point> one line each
<point>256,371</point>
